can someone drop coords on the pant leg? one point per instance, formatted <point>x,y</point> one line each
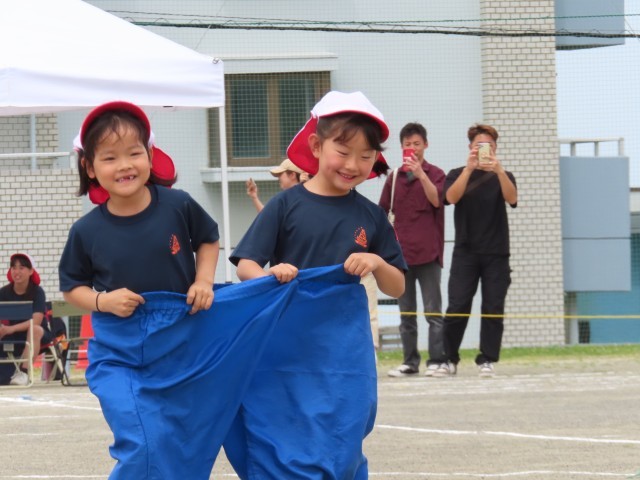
<point>463,283</point>
<point>496,278</point>
<point>429,276</point>
<point>408,320</point>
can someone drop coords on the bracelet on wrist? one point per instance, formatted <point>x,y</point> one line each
<point>97,306</point>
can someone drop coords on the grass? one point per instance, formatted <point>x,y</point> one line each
<point>536,355</point>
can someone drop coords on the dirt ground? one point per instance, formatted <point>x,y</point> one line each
<point>543,420</point>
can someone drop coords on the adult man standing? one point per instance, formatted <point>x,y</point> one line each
<point>419,224</point>
<point>479,191</point>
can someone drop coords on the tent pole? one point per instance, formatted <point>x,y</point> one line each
<point>226,225</point>
<point>32,142</point>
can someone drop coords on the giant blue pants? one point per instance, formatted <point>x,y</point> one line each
<point>283,374</point>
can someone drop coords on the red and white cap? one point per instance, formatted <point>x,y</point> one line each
<point>332,103</point>
<point>35,276</point>
<point>161,164</point>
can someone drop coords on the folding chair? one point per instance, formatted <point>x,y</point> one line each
<point>54,352</point>
<point>75,354</point>
<point>10,311</point>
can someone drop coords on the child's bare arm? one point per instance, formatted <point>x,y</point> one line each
<point>121,302</point>
<point>248,269</point>
<point>390,279</point>
<point>200,294</point>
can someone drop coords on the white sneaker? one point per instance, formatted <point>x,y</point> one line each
<point>432,368</point>
<point>402,371</point>
<point>19,378</point>
<point>445,370</point>
<point>486,370</point>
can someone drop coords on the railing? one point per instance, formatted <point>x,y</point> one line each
<point>35,156</point>
<point>573,142</point>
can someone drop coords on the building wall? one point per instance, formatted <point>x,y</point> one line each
<point>446,82</point>
<point>36,212</point>
<point>519,99</point>
<point>15,137</point>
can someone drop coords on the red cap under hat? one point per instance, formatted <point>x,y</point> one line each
<point>161,164</point>
<point>332,103</point>
<point>35,276</point>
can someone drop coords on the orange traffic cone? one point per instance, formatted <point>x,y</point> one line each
<point>86,331</point>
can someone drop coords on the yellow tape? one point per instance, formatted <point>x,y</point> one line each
<point>510,315</point>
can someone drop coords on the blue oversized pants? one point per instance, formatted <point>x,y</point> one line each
<point>283,374</point>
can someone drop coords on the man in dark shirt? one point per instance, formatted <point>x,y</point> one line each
<point>479,191</point>
<point>419,224</point>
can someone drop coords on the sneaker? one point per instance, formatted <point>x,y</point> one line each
<point>486,370</point>
<point>19,378</point>
<point>432,368</point>
<point>445,370</point>
<point>402,371</point>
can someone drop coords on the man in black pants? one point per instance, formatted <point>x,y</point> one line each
<point>479,191</point>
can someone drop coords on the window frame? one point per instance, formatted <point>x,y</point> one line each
<point>321,85</point>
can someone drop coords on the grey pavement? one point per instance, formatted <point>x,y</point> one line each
<point>563,420</point>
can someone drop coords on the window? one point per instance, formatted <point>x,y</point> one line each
<point>263,113</point>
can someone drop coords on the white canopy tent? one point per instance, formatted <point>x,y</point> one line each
<point>68,55</point>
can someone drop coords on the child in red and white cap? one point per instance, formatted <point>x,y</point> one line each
<point>24,286</point>
<point>324,222</point>
<point>142,237</point>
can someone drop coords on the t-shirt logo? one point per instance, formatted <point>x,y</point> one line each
<point>361,237</point>
<point>174,244</point>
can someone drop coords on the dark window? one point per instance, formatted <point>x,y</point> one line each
<point>263,113</point>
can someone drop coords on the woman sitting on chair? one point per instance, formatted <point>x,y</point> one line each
<point>24,286</point>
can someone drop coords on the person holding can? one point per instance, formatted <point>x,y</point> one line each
<point>480,191</point>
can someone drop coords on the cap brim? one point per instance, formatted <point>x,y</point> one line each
<point>162,165</point>
<point>97,194</point>
<point>299,151</point>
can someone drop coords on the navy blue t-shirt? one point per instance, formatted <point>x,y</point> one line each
<point>150,251</point>
<point>309,230</point>
<point>480,216</point>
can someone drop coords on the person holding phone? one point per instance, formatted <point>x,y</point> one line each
<point>419,225</point>
<point>479,191</point>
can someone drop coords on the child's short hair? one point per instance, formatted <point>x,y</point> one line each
<point>110,118</point>
<point>482,128</point>
<point>413,128</point>
<point>342,115</point>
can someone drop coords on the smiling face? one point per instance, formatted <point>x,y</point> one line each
<point>20,273</point>
<point>121,165</point>
<point>342,165</point>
